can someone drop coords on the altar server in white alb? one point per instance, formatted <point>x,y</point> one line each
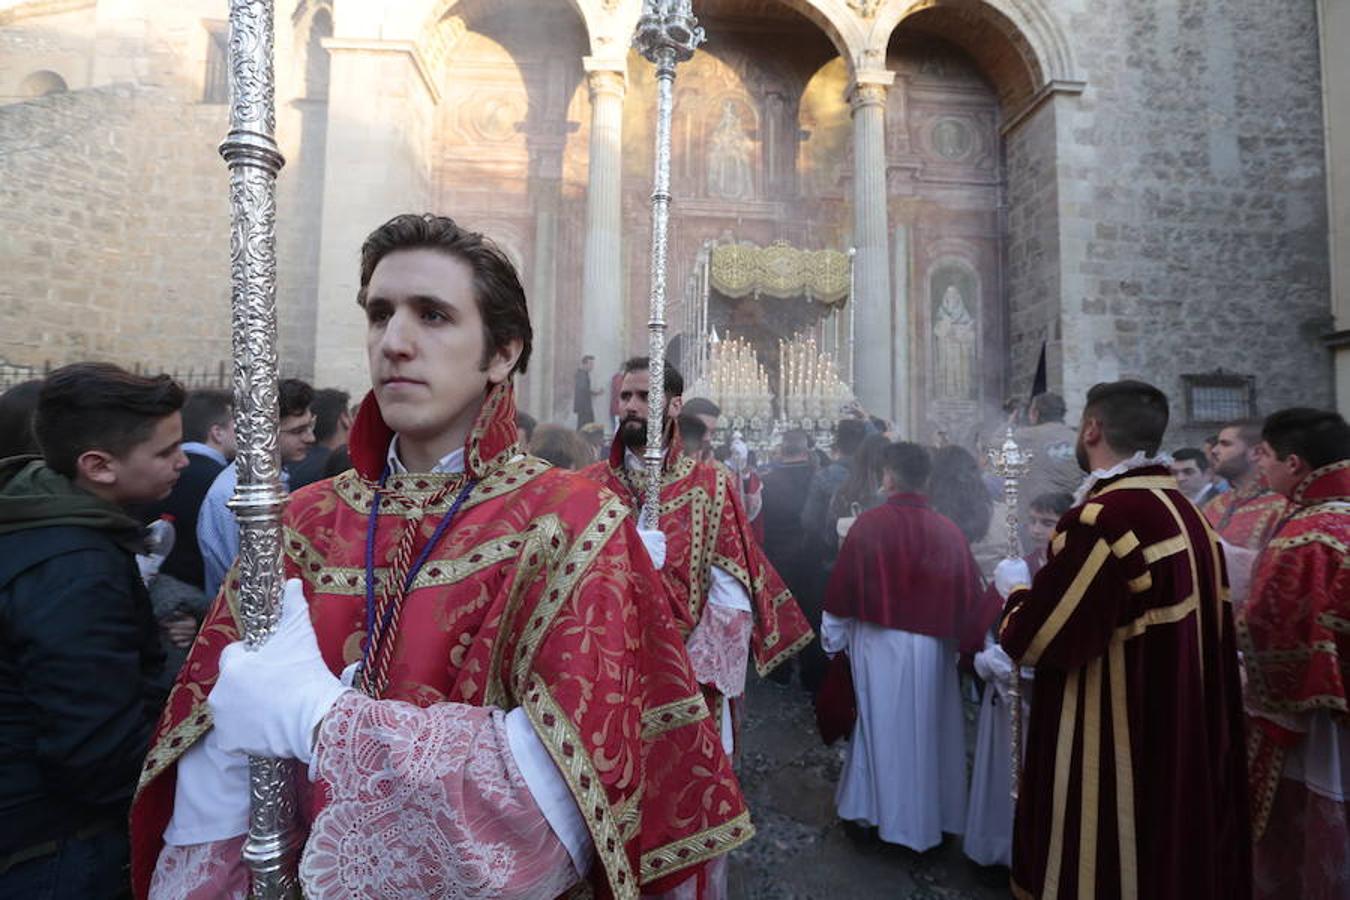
<point>901,595</point>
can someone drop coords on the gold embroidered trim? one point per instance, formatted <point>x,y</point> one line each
<point>1316,475</point>
<point>560,737</point>
<point>1125,544</point>
<point>564,575</point>
<point>1124,760</point>
<point>1057,542</point>
<point>1309,537</point>
<point>1089,796</point>
<point>542,545</point>
<point>786,653</point>
<point>1164,549</point>
<point>510,476</point>
<point>1068,726</point>
<point>1089,513</point>
<point>696,848</point>
<point>670,716</point>
<point>1293,654</point>
<point>351,581</point>
<point>1068,603</point>
<point>1140,584</point>
<point>628,814</point>
<point>175,743</point>
<point>1140,483</point>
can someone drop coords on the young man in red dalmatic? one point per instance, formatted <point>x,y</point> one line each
<point>515,711</point>
<point>1295,638</point>
<point>1247,515</point>
<point>729,602</point>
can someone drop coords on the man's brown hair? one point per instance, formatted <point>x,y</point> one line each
<point>1133,415</point>
<point>501,299</point>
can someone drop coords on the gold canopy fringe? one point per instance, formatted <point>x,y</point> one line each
<point>781,271</point>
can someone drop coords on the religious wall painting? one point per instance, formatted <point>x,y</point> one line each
<point>730,152</point>
<point>483,115</point>
<point>953,304</point>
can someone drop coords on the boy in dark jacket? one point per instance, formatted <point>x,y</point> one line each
<point>79,650</point>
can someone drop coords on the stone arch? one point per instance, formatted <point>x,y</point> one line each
<point>470,11</point>
<point>841,25</point>
<point>1021,45</point>
<point>42,83</point>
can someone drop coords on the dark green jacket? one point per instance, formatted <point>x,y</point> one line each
<point>79,655</point>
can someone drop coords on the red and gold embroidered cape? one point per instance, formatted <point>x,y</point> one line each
<point>705,526</point>
<point>1295,629</point>
<point>538,596</point>
<point>1247,518</point>
<point>1134,783</point>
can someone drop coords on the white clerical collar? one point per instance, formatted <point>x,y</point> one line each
<point>448,464</point>
<point>1138,461</point>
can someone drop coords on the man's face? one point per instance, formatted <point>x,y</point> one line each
<point>1040,525</point>
<point>1283,475</point>
<point>1233,457</point>
<point>710,421</point>
<point>1189,476</point>
<point>149,470</point>
<point>587,365</point>
<point>633,408</point>
<point>424,343</point>
<point>224,435</point>
<point>295,436</point>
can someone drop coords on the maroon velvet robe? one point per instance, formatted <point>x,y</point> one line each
<point>907,567</point>
<point>1134,783</point>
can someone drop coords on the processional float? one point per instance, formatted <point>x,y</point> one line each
<point>250,150</point>
<point>667,34</point>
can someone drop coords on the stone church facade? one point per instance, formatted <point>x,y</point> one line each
<point>1139,189</point>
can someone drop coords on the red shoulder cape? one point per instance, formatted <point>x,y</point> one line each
<point>705,525</point>
<point>906,567</point>
<point>537,597</point>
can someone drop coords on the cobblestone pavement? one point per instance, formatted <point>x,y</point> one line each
<point>801,849</point>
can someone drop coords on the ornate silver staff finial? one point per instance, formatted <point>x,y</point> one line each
<point>251,153</point>
<point>667,34</point>
<point>1011,463</point>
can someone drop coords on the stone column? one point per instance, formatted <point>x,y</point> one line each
<point>604,320</point>
<point>541,383</point>
<point>875,340</point>
<point>901,381</point>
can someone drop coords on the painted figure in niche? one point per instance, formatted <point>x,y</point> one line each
<point>729,153</point>
<point>954,337</point>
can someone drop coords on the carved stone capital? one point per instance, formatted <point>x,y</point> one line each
<point>867,93</point>
<point>606,81</point>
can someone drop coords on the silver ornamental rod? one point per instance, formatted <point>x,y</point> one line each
<point>1010,462</point>
<point>251,153</point>
<point>667,34</point>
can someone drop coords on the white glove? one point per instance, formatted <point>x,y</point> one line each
<point>995,667</point>
<point>1011,574</point>
<point>655,543</point>
<point>268,701</point>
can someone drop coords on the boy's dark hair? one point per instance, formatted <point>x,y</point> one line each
<point>18,406</point>
<point>587,358</point>
<point>1049,407</point>
<point>1195,455</point>
<point>673,382</point>
<point>204,409</point>
<point>294,397</point>
<point>1057,502</point>
<point>99,406</point>
<point>1319,437</point>
<point>501,299</point>
<point>1133,415</point>
<point>328,406</point>
<point>910,463</point>
<point>692,430</point>
<point>701,406</point>
<point>848,436</point>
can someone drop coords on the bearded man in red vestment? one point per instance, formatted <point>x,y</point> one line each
<point>729,601</point>
<point>1134,783</point>
<point>1295,638</point>
<point>515,711</point>
<point>1247,515</point>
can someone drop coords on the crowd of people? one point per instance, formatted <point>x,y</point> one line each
<point>498,675</point>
